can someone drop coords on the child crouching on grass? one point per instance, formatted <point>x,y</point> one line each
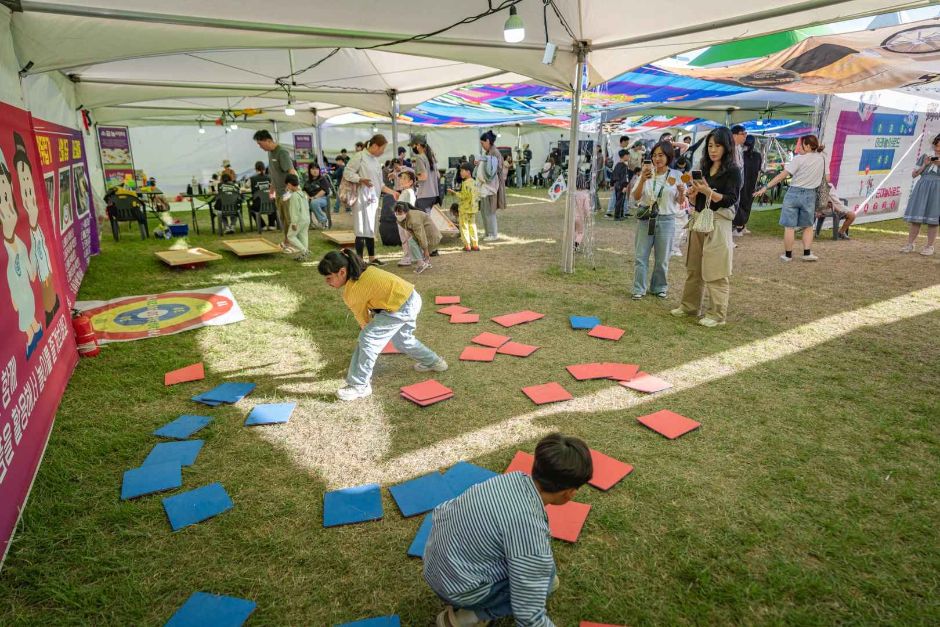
<point>468,203</point>
<point>489,554</point>
<point>299,210</point>
<point>386,308</point>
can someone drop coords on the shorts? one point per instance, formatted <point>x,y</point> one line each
<point>799,208</point>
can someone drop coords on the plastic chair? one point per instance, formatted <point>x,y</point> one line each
<point>123,208</point>
<point>262,205</point>
<point>229,204</point>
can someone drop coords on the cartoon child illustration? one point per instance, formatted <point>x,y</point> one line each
<point>38,251</point>
<point>20,271</point>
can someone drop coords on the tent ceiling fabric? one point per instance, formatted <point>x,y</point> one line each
<point>88,32</point>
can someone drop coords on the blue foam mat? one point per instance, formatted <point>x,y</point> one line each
<point>584,322</point>
<point>421,538</point>
<point>422,494</point>
<point>381,621</point>
<point>212,610</point>
<point>196,505</point>
<point>151,478</point>
<point>182,427</point>
<point>352,505</point>
<point>230,392</point>
<point>270,413</point>
<point>463,475</point>
<point>183,451</point>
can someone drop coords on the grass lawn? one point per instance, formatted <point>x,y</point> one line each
<point>809,496</point>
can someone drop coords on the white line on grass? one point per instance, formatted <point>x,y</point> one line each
<point>346,442</point>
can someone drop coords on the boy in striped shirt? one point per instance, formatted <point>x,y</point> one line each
<point>489,554</point>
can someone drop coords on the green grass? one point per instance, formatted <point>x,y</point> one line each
<point>809,496</point>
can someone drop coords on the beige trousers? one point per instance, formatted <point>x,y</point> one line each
<point>695,287</point>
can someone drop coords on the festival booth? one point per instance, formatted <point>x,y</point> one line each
<point>152,74</point>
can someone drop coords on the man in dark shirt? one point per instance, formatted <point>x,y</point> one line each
<point>618,183</point>
<point>261,191</point>
<point>280,164</point>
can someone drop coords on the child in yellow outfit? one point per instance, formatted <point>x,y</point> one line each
<point>468,199</point>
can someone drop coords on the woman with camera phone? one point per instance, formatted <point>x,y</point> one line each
<point>714,191</point>
<point>659,193</point>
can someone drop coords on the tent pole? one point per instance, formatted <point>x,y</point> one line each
<point>277,137</point>
<point>396,108</point>
<point>567,241</point>
<point>318,136</point>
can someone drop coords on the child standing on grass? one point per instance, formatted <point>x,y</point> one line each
<point>386,308</point>
<point>468,203</point>
<point>406,184</point>
<point>299,211</point>
<point>489,554</point>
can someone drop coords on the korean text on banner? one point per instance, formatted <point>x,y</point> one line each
<point>117,159</point>
<point>68,189</point>
<point>303,151</point>
<point>38,353</point>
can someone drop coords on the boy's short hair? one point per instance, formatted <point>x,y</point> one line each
<point>292,179</point>
<point>407,173</point>
<point>623,152</point>
<point>561,462</point>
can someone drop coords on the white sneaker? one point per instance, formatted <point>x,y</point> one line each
<point>709,322</point>
<point>746,231</point>
<point>422,266</point>
<point>927,251</point>
<point>785,258</point>
<point>908,248</point>
<point>353,392</point>
<point>490,238</point>
<point>439,366</point>
<point>405,263</point>
<point>679,312</point>
<point>810,257</point>
<point>736,233</point>
<point>677,253</point>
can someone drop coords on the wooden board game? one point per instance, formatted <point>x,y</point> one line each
<point>342,238</point>
<point>249,247</point>
<point>188,257</point>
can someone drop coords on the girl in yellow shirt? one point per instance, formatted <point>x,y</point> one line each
<point>468,200</point>
<point>386,308</point>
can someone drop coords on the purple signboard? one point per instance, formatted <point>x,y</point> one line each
<point>303,150</point>
<point>117,160</point>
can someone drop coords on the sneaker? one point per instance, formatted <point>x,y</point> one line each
<point>844,236</point>
<point>439,366</point>
<point>490,238</point>
<point>810,257</point>
<point>467,249</point>
<point>353,392</point>
<point>434,253</point>
<point>746,231</point>
<point>679,312</point>
<point>422,266</point>
<point>908,248</point>
<point>661,295</point>
<point>459,618</point>
<point>785,258</point>
<point>637,296</point>
<point>302,257</point>
<point>376,262</point>
<point>475,249</point>
<point>709,322</point>
<point>736,233</point>
<point>404,263</point>
<point>927,251</point>
<point>677,253</point>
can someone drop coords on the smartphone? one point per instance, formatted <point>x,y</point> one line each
<point>935,158</point>
<point>696,175</point>
<point>647,162</point>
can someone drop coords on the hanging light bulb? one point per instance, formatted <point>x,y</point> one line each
<point>375,129</point>
<point>233,125</point>
<point>289,109</point>
<point>202,131</point>
<point>514,30</point>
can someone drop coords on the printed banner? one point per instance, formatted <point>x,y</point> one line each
<point>872,151</point>
<point>38,350</point>
<point>303,151</point>
<point>117,160</point>
<point>140,317</point>
<point>65,174</point>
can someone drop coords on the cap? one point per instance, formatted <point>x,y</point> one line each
<point>226,164</point>
<point>418,138</point>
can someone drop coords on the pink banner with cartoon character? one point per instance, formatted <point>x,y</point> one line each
<point>38,353</point>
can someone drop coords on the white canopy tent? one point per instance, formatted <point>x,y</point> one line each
<point>137,53</point>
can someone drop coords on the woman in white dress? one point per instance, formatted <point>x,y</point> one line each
<point>365,170</point>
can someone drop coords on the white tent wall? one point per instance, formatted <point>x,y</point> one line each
<point>10,91</point>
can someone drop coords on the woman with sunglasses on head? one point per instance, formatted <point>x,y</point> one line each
<point>714,188</point>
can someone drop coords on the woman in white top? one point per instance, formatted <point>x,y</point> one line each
<point>808,169</point>
<point>659,192</point>
<point>364,168</point>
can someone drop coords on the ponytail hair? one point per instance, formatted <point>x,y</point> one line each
<point>334,261</point>
<point>812,142</point>
<point>489,136</point>
<point>377,140</point>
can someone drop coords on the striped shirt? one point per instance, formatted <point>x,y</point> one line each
<point>495,531</point>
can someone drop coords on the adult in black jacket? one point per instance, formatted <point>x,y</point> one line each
<point>752,165</point>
